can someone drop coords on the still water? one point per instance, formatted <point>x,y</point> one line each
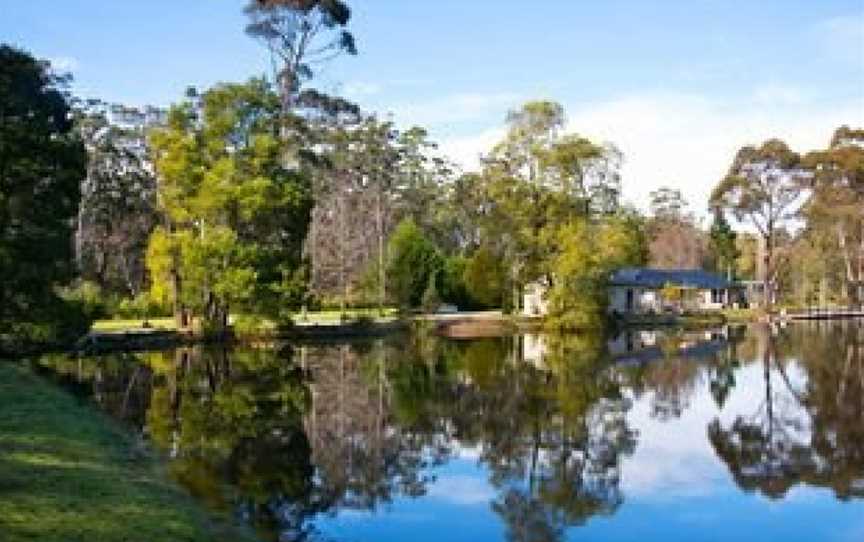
<point>730,434</point>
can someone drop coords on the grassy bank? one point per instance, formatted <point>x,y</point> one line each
<point>68,473</point>
<point>252,324</point>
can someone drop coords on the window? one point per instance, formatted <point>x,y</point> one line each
<point>716,296</point>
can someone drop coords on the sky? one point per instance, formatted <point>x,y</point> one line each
<point>678,85</point>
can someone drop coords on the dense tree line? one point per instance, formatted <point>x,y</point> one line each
<point>267,196</point>
<point>807,212</point>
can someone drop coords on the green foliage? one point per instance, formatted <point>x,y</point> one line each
<point>235,216</point>
<point>588,254</point>
<point>142,306</point>
<point>90,298</point>
<point>764,188</point>
<point>535,181</point>
<point>42,162</point>
<point>413,262</point>
<point>723,243</point>
<point>302,34</point>
<point>451,281</point>
<point>485,278</point>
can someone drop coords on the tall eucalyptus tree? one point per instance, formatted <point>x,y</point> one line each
<point>765,188</point>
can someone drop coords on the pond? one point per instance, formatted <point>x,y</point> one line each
<point>739,433</point>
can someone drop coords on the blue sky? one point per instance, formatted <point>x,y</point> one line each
<point>678,85</point>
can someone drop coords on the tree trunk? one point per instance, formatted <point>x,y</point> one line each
<point>382,277</point>
<point>768,274</point>
<point>176,293</point>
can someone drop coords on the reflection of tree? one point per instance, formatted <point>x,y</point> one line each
<point>552,439</point>
<point>230,423</point>
<point>814,436</point>
<point>673,381</point>
<point>237,440</point>
<point>277,438</point>
<point>363,457</point>
<point>834,397</point>
<point>119,384</point>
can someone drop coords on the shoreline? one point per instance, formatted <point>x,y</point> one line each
<point>71,473</point>
<point>461,325</point>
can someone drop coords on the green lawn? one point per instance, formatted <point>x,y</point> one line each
<point>741,315</point>
<point>248,323</point>
<point>335,316</point>
<point>69,473</point>
<point>122,325</point>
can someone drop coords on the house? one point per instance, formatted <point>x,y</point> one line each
<point>637,291</point>
<point>534,301</point>
<point>646,291</point>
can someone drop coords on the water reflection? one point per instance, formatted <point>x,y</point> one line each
<point>543,433</point>
<point>809,431</point>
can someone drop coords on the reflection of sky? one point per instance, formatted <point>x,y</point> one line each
<point>675,489</point>
<point>457,507</point>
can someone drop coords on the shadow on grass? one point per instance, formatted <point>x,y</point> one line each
<point>69,473</point>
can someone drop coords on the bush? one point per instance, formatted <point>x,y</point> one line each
<point>412,260</point>
<point>55,324</point>
<point>140,307</point>
<point>485,279</point>
<point>88,298</point>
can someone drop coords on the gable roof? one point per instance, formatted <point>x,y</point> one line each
<point>658,278</point>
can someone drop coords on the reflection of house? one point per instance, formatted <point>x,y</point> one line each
<point>637,347</point>
<point>645,291</point>
<point>534,350</point>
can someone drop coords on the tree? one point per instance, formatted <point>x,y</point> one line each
<point>837,203</point>
<point>300,34</point>
<point>413,261</point>
<point>374,177</point>
<point>676,241</point>
<point>233,218</point>
<point>668,204</point>
<point>536,178</point>
<point>722,241</point>
<point>764,188</point>
<point>42,163</point>
<point>118,204</point>
<point>588,254</point>
<point>485,278</point>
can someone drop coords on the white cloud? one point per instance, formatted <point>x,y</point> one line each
<point>455,108</point>
<point>462,490</point>
<point>466,150</point>
<point>688,141</point>
<point>684,141</point>
<point>680,140</point>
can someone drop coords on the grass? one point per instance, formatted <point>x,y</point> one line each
<point>336,316</point>
<point>123,325</point>
<point>252,324</point>
<point>741,315</point>
<point>69,473</point>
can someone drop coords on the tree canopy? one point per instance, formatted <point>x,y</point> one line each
<point>233,218</point>
<point>42,163</point>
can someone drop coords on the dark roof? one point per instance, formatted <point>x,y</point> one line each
<point>658,278</point>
